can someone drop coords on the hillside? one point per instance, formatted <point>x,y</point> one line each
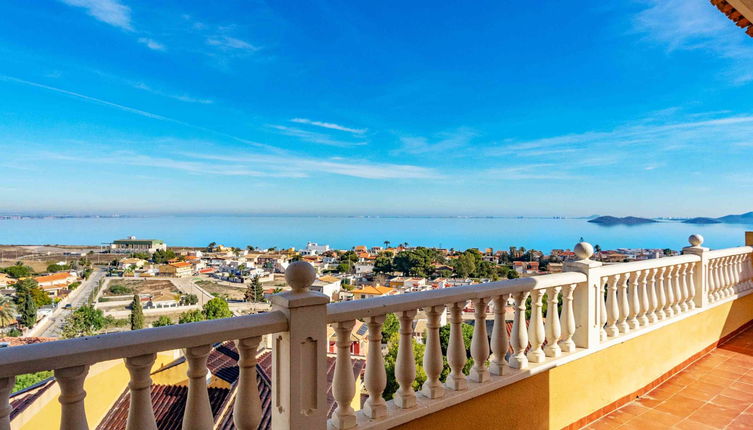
<point>628,220</point>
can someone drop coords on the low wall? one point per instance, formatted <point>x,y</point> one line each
<point>576,392</point>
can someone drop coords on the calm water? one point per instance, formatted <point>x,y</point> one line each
<point>344,232</point>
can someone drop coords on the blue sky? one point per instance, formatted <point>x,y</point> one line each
<point>392,107</point>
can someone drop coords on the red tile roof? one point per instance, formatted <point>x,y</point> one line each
<point>734,15</point>
<point>20,400</point>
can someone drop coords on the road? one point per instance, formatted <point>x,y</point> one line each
<point>78,297</point>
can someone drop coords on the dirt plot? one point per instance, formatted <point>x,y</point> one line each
<point>154,287</point>
<point>220,290</point>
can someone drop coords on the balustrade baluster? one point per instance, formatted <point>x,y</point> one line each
<point>601,297</point>
<point>653,297</point>
<point>536,332</point>
<point>247,410</point>
<point>499,342</point>
<point>479,343</point>
<point>72,394</point>
<point>519,335</point>
<point>567,319</point>
<point>375,379</point>
<point>198,412</point>
<point>553,329</point>
<point>635,301</point>
<point>432,387</point>
<point>728,276</point>
<point>623,302</point>
<point>714,267</point>
<point>6,385</point>
<point>682,282</point>
<point>405,367</point>
<point>343,382</point>
<point>456,355</point>
<point>738,272</point>
<point>690,281</point>
<point>747,273</point>
<point>140,412</point>
<point>676,290</point>
<point>661,312</point>
<point>613,309</point>
<point>669,292</point>
<point>643,298</point>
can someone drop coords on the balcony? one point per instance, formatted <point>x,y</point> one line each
<point>597,336</point>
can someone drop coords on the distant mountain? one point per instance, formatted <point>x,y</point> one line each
<point>746,218</point>
<point>628,220</point>
<point>702,220</point>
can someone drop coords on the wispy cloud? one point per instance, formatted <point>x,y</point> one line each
<point>152,44</point>
<point>329,125</point>
<point>181,97</point>
<point>697,25</point>
<point>136,111</point>
<point>313,137</point>
<point>539,171</point>
<point>446,141</point>
<point>344,167</point>
<point>228,43</point>
<point>108,11</point>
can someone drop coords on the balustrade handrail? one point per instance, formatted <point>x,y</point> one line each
<point>728,252</point>
<point>94,349</point>
<point>350,310</point>
<point>634,266</point>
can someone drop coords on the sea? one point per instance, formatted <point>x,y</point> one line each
<point>461,233</point>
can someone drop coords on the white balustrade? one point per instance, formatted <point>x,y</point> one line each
<point>72,394</point>
<point>247,411</point>
<point>669,292</point>
<point>624,304</point>
<point>198,413</point>
<point>499,341</point>
<point>682,282</point>
<point>479,343</point>
<point>536,332</point>
<point>432,387</point>
<point>553,329</point>
<point>613,309</point>
<point>405,366</point>
<point>140,413</point>
<point>690,281</point>
<point>601,298</point>
<point>519,335</point>
<point>567,319</point>
<point>343,383</point>
<point>661,294</point>
<point>456,355</point>
<point>635,301</point>
<point>653,295</point>
<point>643,298</point>
<point>375,379</point>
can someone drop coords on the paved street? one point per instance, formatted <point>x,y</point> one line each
<point>78,298</point>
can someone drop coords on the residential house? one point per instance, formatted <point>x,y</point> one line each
<point>53,284</point>
<point>179,270</point>
<point>137,245</point>
<point>328,285</point>
<point>368,291</point>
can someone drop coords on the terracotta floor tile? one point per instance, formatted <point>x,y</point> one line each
<point>661,417</point>
<point>603,424</point>
<point>635,408</point>
<point>689,424</point>
<point>730,402</point>
<point>698,394</point>
<point>680,406</point>
<point>744,421</point>
<point>714,415</point>
<point>648,401</point>
<point>643,423</point>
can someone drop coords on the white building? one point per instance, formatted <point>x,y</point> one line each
<point>313,248</point>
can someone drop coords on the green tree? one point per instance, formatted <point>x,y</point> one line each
<point>40,297</point>
<point>191,316</point>
<point>390,327</point>
<point>18,271</point>
<point>137,313</point>
<point>211,246</point>
<point>163,321</point>
<point>84,321</point>
<point>383,263</point>
<point>258,289</point>
<point>189,299</point>
<point>7,311</point>
<point>162,257</point>
<point>216,308</point>
<point>391,358</point>
<point>57,268</point>
<point>28,379</point>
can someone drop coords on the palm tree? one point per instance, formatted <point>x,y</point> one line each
<point>386,244</point>
<point>7,311</point>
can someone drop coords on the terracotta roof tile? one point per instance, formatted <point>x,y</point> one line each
<point>734,15</point>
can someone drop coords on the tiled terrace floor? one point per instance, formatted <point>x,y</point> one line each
<point>715,392</point>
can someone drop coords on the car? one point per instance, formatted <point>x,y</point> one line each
<point>68,306</point>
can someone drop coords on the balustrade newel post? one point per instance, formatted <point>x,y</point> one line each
<point>587,299</point>
<point>299,356</point>
<point>699,285</point>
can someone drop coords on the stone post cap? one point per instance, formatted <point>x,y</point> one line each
<point>583,250</point>
<point>300,275</point>
<point>695,240</point>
